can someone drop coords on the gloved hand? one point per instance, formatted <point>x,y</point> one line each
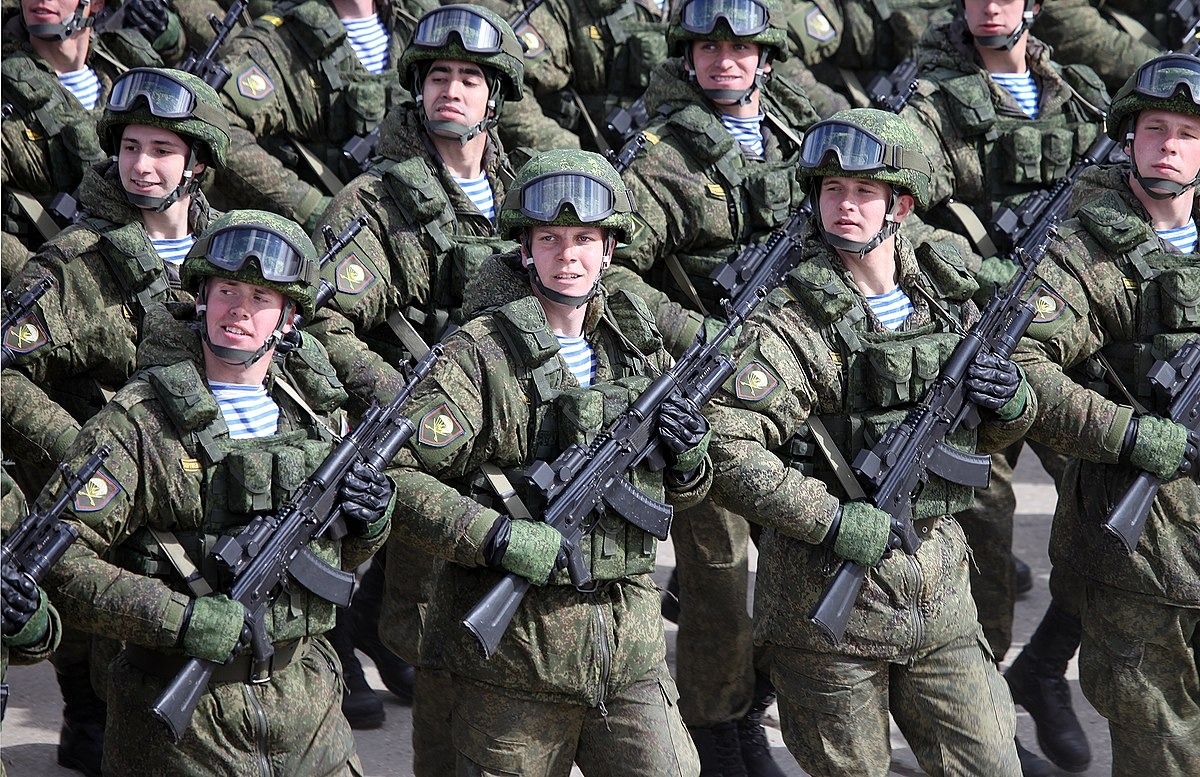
<point>215,629</point>
<point>992,382</point>
<point>863,533</point>
<point>531,549</point>
<point>365,494</point>
<point>1161,447</point>
<point>149,17</point>
<point>684,430</point>
<point>23,604</point>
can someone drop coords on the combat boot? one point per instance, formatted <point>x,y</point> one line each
<point>1033,765</point>
<point>81,740</point>
<point>360,704</point>
<point>1037,684</point>
<point>1024,576</point>
<point>720,750</point>
<point>670,600</point>
<point>397,674</point>
<point>756,750</point>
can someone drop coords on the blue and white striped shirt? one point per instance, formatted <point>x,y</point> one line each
<point>1183,238</point>
<point>84,85</point>
<point>369,39</point>
<point>580,358</point>
<point>746,131</point>
<point>892,309</point>
<point>248,410</point>
<point>174,250</point>
<point>1023,89</point>
<point>480,192</point>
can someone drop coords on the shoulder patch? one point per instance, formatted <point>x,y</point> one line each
<point>97,492</point>
<point>440,426</point>
<point>1047,304</point>
<point>754,382</point>
<point>254,83</point>
<point>26,335</point>
<point>531,40</point>
<point>639,226</point>
<point>818,26</point>
<point>353,275</point>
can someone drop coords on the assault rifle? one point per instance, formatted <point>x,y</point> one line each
<point>273,548</point>
<point>521,18</point>
<point>206,66</point>
<point>893,91</point>
<point>18,309</point>
<point>333,246</point>
<point>41,539</point>
<point>360,150</point>
<point>624,158</point>
<point>584,482</point>
<point>897,467</point>
<point>1177,381</point>
<point>1183,20</point>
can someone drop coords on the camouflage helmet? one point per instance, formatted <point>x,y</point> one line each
<point>867,143</point>
<point>260,248</point>
<point>567,188</point>
<point>1167,83</point>
<point>466,33</point>
<point>169,99</point>
<point>750,21</point>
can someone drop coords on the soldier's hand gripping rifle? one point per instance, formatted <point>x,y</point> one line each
<point>584,482</point>
<point>206,67</point>
<point>897,468</point>
<point>41,539</point>
<point>274,548</point>
<point>1177,380</point>
<point>18,309</point>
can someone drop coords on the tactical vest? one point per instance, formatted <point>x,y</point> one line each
<point>562,414</point>
<point>885,373</point>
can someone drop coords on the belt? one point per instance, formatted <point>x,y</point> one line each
<point>240,670</point>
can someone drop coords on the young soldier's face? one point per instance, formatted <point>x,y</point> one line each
<point>241,315</point>
<point>725,64</point>
<point>151,160</point>
<point>54,11</point>
<point>455,91</point>
<point>993,17</point>
<point>568,259</point>
<point>1167,145</point>
<point>854,208</point>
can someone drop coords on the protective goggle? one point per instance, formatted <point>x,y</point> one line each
<point>592,199</point>
<point>744,17</point>
<point>278,260</point>
<point>474,32</point>
<point>1162,77</point>
<point>856,149</point>
<point>165,97</point>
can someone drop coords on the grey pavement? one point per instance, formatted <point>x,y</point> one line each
<point>30,733</point>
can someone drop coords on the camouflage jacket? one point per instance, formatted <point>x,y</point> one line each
<point>22,647</point>
<point>815,349</point>
<point>1084,31</point>
<point>174,469</point>
<point>423,242</point>
<point>501,395</point>
<point>1109,285</point>
<point>81,339</point>
<point>983,149</point>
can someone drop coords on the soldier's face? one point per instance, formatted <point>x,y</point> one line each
<point>54,11</point>
<point>455,91</point>
<point>854,208</point>
<point>151,160</point>
<point>993,17</point>
<point>1167,145</point>
<point>241,315</point>
<point>568,259</point>
<point>725,64</point>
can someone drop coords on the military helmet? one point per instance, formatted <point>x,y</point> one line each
<point>567,188</point>
<point>1167,83</point>
<point>758,21</point>
<point>169,99</point>
<point>867,143</point>
<point>260,248</point>
<point>466,33</point>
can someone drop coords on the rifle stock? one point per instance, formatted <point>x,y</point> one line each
<point>206,67</point>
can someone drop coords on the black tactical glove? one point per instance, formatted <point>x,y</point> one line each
<point>149,17</point>
<point>365,495</point>
<point>992,381</point>
<point>684,430</point>
<point>21,599</point>
<point>531,549</point>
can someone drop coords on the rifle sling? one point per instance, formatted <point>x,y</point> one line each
<point>503,488</point>
<point>835,458</point>
<point>408,336</point>
<point>329,179</point>
<point>1117,383</point>
<point>37,213</point>
<point>298,398</point>
<point>1131,26</point>
<point>974,228</point>
<point>178,557</point>
<point>857,93</point>
<point>601,143</point>
<point>680,276</point>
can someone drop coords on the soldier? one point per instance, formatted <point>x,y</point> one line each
<point>579,676</point>
<point>1113,37</point>
<point>164,128</point>
<point>834,356</point>
<point>1111,300</point>
<point>211,432</point>
<point>430,200</point>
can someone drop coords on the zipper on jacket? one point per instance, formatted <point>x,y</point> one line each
<point>260,730</point>
<point>605,651</point>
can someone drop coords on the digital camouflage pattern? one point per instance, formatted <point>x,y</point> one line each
<point>116,581</point>
<point>620,222</point>
<point>1087,32</point>
<point>1110,286</point>
<point>22,648</point>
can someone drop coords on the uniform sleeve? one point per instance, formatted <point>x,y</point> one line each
<point>678,325</point>
<point>1080,34</point>
<point>925,115</point>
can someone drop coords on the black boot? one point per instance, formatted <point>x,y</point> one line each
<point>1037,684</point>
<point>756,750</point>
<point>81,740</point>
<point>1033,765</point>
<point>397,674</point>
<point>1024,576</point>
<point>720,750</point>
<point>670,600</point>
<point>360,704</point>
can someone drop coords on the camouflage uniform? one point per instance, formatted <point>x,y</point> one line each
<point>1087,32</point>
<point>1110,286</point>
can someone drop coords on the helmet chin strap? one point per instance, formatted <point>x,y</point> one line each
<point>463,133</point>
<point>860,247</point>
<point>60,32</point>
<point>188,184</point>
<point>1006,42</point>
<point>1158,188</point>
<point>239,355</point>
<point>573,300</point>
<point>739,96</point>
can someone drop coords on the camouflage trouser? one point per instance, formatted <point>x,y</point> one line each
<point>950,702</point>
<point>292,725</point>
<point>714,658</point>
<point>642,735</point>
<point>1139,666</point>
<point>432,716</point>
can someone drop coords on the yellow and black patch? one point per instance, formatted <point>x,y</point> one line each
<point>440,427</point>
<point>26,335</point>
<point>97,493</point>
<point>531,40</point>
<point>1047,304</point>
<point>254,83</point>
<point>818,26</point>
<point>353,275</point>
<point>755,382</point>
<point>639,226</point>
